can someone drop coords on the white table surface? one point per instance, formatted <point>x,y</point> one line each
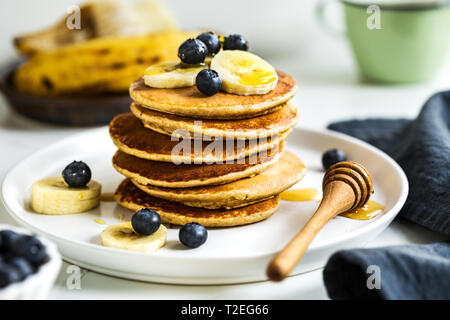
<point>329,90</point>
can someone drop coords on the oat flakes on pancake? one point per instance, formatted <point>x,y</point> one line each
<point>168,174</point>
<point>258,127</point>
<point>131,137</point>
<point>131,197</point>
<point>288,171</point>
<point>192,103</point>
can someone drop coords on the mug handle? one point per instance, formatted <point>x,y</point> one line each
<point>320,15</point>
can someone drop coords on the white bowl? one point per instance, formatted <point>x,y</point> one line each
<point>37,285</point>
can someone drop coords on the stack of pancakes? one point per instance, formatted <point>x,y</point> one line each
<point>219,160</point>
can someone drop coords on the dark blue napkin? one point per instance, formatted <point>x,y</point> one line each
<point>422,148</point>
<point>397,272</point>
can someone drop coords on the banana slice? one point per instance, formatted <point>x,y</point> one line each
<point>122,236</point>
<point>53,196</point>
<point>244,73</point>
<point>171,75</point>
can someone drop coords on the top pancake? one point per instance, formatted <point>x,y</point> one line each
<point>258,127</point>
<point>192,103</point>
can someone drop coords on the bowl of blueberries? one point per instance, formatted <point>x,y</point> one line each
<point>29,264</point>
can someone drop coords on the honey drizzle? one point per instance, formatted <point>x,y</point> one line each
<point>107,196</point>
<point>257,77</point>
<point>100,221</point>
<point>370,210</point>
<point>306,194</point>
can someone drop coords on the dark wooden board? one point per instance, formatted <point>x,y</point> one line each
<point>76,110</point>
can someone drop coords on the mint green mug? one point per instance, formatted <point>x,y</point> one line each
<point>397,42</point>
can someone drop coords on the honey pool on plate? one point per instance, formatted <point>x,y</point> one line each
<point>370,210</point>
<point>307,194</point>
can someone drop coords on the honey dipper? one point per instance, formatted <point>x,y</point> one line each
<point>346,186</point>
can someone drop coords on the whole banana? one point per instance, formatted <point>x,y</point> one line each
<point>100,65</point>
<point>96,19</point>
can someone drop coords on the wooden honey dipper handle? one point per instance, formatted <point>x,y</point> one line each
<point>346,186</point>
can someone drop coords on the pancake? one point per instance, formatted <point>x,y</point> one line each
<point>168,174</point>
<point>131,197</point>
<point>269,183</point>
<point>131,137</point>
<point>192,103</point>
<point>259,127</point>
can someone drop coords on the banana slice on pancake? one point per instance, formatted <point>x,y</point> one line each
<point>53,196</point>
<point>244,73</point>
<point>122,236</point>
<point>172,75</point>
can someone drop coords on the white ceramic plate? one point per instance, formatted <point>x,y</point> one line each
<point>231,255</point>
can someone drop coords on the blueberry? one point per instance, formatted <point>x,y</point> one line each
<point>146,221</point>
<point>30,248</point>
<point>331,157</point>
<point>22,266</point>
<point>208,82</point>
<point>192,51</point>
<point>7,238</point>
<point>193,235</point>
<point>235,42</point>
<point>211,40</point>
<point>77,174</point>
<point>8,275</point>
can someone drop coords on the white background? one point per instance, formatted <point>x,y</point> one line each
<point>284,32</point>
